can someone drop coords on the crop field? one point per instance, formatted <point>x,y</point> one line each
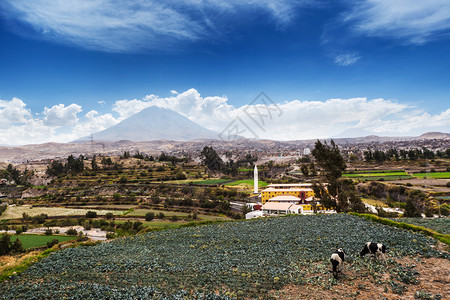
<point>210,181</point>
<point>35,240</point>
<point>439,175</point>
<point>15,212</point>
<point>247,182</point>
<point>441,225</point>
<point>246,259</point>
<point>378,175</point>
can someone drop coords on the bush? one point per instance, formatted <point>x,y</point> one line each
<point>149,216</point>
<point>161,215</point>
<point>109,216</point>
<point>52,243</point>
<point>117,197</point>
<point>123,179</point>
<point>48,232</point>
<point>111,235</point>
<point>72,231</point>
<point>91,214</point>
<point>448,184</point>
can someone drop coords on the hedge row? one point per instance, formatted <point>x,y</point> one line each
<point>445,238</point>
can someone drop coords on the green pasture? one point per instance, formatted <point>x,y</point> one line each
<point>210,181</point>
<point>378,175</point>
<point>36,240</point>
<point>436,175</point>
<point>246,182</point>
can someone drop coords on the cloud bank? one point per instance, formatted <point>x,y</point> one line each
<point>288,120</point>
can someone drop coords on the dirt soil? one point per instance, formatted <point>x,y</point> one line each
<point>434,279</point>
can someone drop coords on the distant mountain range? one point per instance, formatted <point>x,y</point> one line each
<point>155,147</point>
<point>154,123</point>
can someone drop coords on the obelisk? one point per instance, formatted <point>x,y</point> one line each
<point>255,178</point>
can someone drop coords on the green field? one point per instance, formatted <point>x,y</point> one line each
<point>35,240</point>
<point>248,182</point>
<point>210,181</point>
<point>436,175</point>
<point>378,175</point>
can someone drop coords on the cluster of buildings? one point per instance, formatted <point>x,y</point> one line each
<point>285,198</point>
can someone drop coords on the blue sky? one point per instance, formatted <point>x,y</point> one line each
<point>331,67</point>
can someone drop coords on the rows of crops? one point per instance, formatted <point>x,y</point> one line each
<point>212,262</point>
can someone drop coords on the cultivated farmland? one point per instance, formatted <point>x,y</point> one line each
<point>34,240</point>
<point>378,175</point>
<point>250,259</point>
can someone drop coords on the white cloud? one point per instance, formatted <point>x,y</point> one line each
<point>299,119</point>
<point>122,26</point>
<point>59,115</point>
<point>13,112</point>
<point>346,59</point>
<point>417,21</point>
<point>288,120</point>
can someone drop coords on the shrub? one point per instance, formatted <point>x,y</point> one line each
<point>91,214</point>
<point>149,216</point>
<point>72,231</point>
<point>448,184</point>
<point>161,215</point>
<point>109,216</point>
<point>110,235</point>
<point>123,179</point>
<point>117,197</point>
<point>52,243</point>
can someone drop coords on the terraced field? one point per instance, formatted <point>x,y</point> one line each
<point>249,259</point>
<point>378,175</point>
<point>439,175</point>
<point>247,182</point>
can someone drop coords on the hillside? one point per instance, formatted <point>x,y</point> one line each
<point>154,123</point>
<point>264,258</point>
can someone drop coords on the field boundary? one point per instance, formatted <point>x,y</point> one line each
<point>445,238</point>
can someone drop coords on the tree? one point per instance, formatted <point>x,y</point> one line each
<point>149,216</point>
<point>329,159</point>
<point>304,169</point>
<point>16,246</point>
<point>94,163</point>
<point>211,159</point>
<point>5,244</point>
